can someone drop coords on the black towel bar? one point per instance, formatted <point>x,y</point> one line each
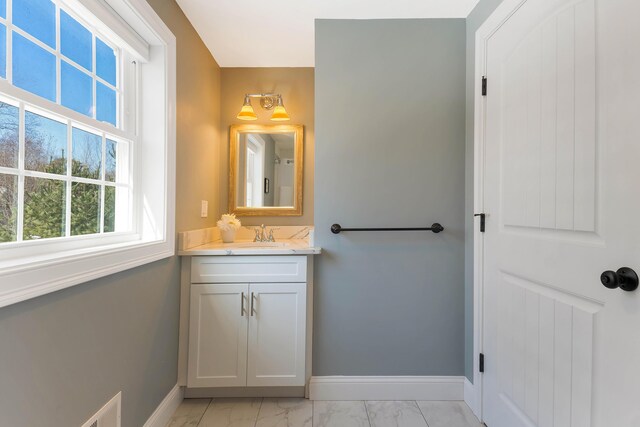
<point>435,227</point>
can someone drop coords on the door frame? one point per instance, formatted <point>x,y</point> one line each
<point>473,395</point>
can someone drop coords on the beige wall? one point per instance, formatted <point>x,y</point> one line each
<point>297,88</point>
<point>199,132</point>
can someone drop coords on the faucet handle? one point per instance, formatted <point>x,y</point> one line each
<point>271,238</point>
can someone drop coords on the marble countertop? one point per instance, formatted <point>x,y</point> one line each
<point>290,240</point>
<point>248,247</point>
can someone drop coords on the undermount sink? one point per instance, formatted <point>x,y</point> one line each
<point>258,244</point>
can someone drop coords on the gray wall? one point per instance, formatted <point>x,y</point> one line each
<point>63,355</point>
<point>475,19</point>
<point>390,120</point>
<point>66,354</point>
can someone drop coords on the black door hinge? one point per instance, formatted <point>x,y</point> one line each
<point>481,363</point>
<point>484,85</point>
<point>482,221</point>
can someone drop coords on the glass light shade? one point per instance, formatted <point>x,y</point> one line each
<point>279,114</point>
<point>247,113</point>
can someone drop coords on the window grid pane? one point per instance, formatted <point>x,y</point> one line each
<point>8,207</point>
<point>87,154</point>
<point>43,198</point>
<point>105,62</point>
<point>76,42</point>
<point>36,17</point>
<point>3,51</point>
<point>111,160</point>
<point>60,179</point>
<point>36,50</point>
<point>34,68</point>
<point>105,104</point>
<point>85,208</point>
<point>77,89</point>
<point>44,208</point>
<point>9,138</point>
<point>45,144</point>
<point>109,217</point>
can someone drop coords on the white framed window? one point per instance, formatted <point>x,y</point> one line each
<point>59,178</point>
<point>87,142</point>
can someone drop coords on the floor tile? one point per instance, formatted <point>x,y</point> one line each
<point>395,414</point>
<point>285,413</point>
<point>231,413</point>
<point>448,414</point>
<point>339,414</point>
<point>189,413</point>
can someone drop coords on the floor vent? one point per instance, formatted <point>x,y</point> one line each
<point>108,415</point>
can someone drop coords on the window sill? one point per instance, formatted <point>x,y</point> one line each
<point>45,274</point>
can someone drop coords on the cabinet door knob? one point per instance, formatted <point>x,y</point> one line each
<point>242,311</point>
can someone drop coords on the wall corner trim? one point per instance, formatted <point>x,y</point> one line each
<point>387,388</point>
<point>163,413</point>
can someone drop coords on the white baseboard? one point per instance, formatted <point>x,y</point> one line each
<point>386,388</point>
<point>472,398</point>
<point>164,411</point>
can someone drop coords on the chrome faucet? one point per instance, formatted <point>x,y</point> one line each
<point>259,237</point>
<point>262,236</point>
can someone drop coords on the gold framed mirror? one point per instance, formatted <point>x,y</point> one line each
<point>266,170</point>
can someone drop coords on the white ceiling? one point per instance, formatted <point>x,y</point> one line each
<point>280,33</point>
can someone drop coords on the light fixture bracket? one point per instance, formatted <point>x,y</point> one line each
<point>268,102</point>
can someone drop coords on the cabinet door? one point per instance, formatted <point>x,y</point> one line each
<point>218,335</point>
<point>277,334</point>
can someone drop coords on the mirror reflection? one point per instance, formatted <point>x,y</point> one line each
<point>266,170</point>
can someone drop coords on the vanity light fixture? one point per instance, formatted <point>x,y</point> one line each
<point>247,113</point>
<point>279,113</point>
<point>267,101</point>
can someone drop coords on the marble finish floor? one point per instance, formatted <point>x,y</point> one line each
<point>270,412</point>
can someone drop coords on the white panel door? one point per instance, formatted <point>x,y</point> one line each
<point>218,335</point>
<point>277,331</point>
<point>561,194</point>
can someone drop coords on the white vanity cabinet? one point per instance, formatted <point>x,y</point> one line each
<point>247,321</point>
